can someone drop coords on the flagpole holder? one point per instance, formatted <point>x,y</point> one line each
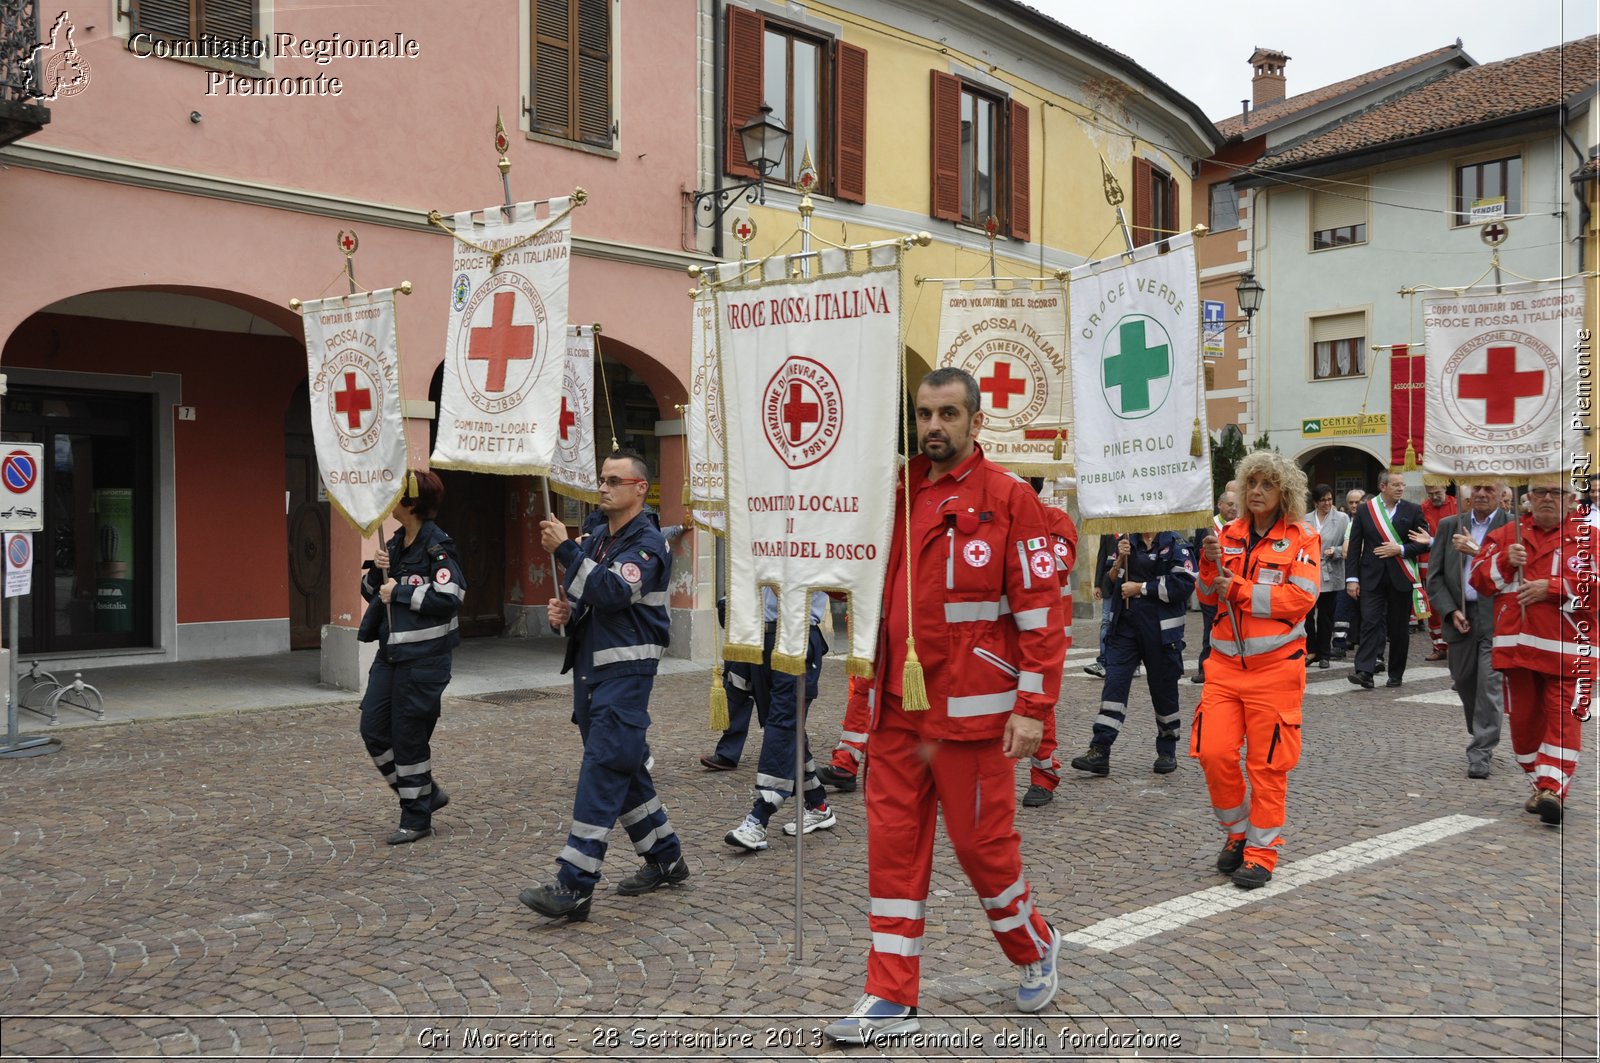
<point>17,746</point>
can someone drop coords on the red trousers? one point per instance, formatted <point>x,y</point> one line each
<point>852,747</point>
<point>1546,738</point>
<point>1044,769</point>
<point>1257,707</point>
<point>912,780</point>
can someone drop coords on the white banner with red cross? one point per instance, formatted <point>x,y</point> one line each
<point>1011,336</point>
<point>353,376</point>
<point>1500,392</point>
<point>1137,395</point>
<point>505,345</point>
<point>573,473</point>
<point>703,415</point>
<point>811,403</point>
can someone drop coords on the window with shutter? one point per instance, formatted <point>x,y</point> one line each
<point>816,86</point>
<point>1482,183</point>
<point>1155,203</point>
<point>1020,215</point>
<point>196,20</point>
<point>1338,346</point>
<point>1339,215</point>
<point>980,157</point>
<point>571,75</point>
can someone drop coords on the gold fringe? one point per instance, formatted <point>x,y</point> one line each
<point>719,701</point>
<point>1195,447</point>
<point>1047,469</point>
<point>859,667</point>
<point>1182,523</point>
<point>1411,458</point>
<point>789,663</point>
<point>1433,479</point>
<point>1058,448</point>
<point>741,654</point>
<point>567,491</point>
<point>913,686</point>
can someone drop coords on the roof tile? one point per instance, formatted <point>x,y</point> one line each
<point>1239,125</point>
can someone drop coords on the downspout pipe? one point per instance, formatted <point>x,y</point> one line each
<point>719,77</point>
<point>1577,189</point>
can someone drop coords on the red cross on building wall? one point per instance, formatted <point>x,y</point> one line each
<point>501,343</point>
<point>1500,385</point>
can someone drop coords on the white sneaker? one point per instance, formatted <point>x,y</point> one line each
<point>816,819</point>
<point>873,1017</point>
<point>749,835</point>
<point>1040,979</point>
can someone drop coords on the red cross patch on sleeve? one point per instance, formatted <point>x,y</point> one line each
<point>1043,564</point>
<point>442,576</point>
<point>631,573</point>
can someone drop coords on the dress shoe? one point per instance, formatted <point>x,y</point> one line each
<point>1550,808</point>
<point>1379,669</point>
<point>1394,681</point>
<point>1198,677</point>
<point>1323,663</point>
<point>557,901</point>
<point>1361,679</point>
<point>1532,804</point>
<point>713,762</point>
<point>1438,654</point>
<point>652,877</point>
<point>405,835</point>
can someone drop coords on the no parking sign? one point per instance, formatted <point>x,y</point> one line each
<point>21,487</point>
<point>19,564</point>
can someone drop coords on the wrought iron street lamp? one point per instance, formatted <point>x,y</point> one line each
<point>764,139</point>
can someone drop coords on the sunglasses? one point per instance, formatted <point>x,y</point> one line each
<point>615,482</point>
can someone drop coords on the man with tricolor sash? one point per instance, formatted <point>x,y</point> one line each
<point>1381,573</point>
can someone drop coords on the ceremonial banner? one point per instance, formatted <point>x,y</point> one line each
<point>353,375</point>
<point>811,397</point>
<point>500,404</point>
<point>574,472</point>
<point>703,415</point>
<point>1137,397</point>
<point>1498,386</point>
<point>1013,339</point>
<point>1407,405</point>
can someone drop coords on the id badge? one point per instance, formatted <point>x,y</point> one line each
<point>1270,577</point>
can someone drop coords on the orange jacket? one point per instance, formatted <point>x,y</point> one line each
<point>1274,586</point>
<point>986,603</point>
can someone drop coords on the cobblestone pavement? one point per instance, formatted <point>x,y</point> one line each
<point>219,887</point>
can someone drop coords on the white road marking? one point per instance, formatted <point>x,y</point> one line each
<point>1434,697</point>
<point>1343,684</point>
<point>1109,935</point>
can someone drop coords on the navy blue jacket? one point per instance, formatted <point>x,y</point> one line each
<point>617,585</point>
<point>424,605</point>
<point>1166,566</point>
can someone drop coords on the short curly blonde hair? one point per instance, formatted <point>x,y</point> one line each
<point>1276,469</point>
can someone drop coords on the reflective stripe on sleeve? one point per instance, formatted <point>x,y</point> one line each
<point>575,589</point>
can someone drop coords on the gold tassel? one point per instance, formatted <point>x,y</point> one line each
<point>913,687</point>
<point>719,701</point>
<point>789,663</point>
<point>687,498</point>
<point>1411,458</point>
<point>1195,449</point>
<point>1060,446</point>
<point>858,667</point>
<point>411,483</point>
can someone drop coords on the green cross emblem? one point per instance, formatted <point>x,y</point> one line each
<point>1136,366</point>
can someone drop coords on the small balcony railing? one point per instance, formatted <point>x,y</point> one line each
<point>21,113</point>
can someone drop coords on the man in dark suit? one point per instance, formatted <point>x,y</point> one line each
<point>1468,619</point>
<point>1376,576</point>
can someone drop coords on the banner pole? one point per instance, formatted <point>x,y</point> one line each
<point>800,709</point>
<point>555,580</point>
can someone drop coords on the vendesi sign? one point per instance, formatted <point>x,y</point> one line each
<point>1357,425</point>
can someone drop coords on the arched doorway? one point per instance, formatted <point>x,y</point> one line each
<point>1344,468</point>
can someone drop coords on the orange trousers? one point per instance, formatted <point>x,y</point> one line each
<point>1256,706</point>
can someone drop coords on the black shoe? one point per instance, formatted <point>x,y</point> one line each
<point>1231,857</point>
<point>440,798</point>
<point>714,762</point>
<point>557,901</point>
<point>1037,796</point>
<point>1165,765</point>
<point>1477,773</point>
<point>1323,663</point>
<point>1550,807</point>
<point>1097,761</point>
<point>1336,655</point>
<point>1251,877</point>
<point>1361,679</point>
<point>1394,681</point>
<point>828,775</point>
<point>1378,669</point>
<point>1198,677</point>
<point>405,835</point>
<point>652,877</point>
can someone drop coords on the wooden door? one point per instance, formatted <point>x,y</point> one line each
<point>474,515</point>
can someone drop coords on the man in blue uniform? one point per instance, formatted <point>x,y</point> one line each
<point>1146,584</point>
<point>615,612</point>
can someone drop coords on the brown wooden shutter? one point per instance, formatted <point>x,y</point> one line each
<point>1018,161</point>
<point>228,19</point>
<point>746,30</point>
<point>850,122</point>
<point>552,67</point>
<point>164,18</point>
<point>594,72</point>
<point>1143,175</point>
<point>946,169</point>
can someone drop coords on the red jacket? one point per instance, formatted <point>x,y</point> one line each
<point>985,601</point>
<point>1433,515</point>
<point>1064,539</point>
<point>1556,635</point>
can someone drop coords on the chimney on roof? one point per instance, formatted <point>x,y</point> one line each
<point>1269,84</point>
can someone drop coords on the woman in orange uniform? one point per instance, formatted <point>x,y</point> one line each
<point>1262,572</point>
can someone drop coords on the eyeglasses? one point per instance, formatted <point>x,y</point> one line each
<point>1545,492</point>
<point>615,482</point>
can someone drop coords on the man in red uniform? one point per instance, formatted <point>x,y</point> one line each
<point>1044,770</point>
<point>1541,572</point>
<point>1436,507</point>
<point>980,596</point>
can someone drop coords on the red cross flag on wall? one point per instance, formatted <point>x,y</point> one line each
<point>574,471</point>
<point>1011,336</point>
<point>1499,391</point>
<point>506,344</point>
<point>353,376</point>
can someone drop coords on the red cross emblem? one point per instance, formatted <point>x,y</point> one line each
<point>353,401</point>
<point>568,418</point>
<point>743,231</point>
<point>1494,234</point>
<point>798,413</point>
<point>1001,385</point>
<point>348,242</point>
<point>501,342</point>
<point>1500,385</point>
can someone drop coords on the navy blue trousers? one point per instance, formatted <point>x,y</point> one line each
<point>738,680</point>
<point>1130,641</point>
<point>398,714</point>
